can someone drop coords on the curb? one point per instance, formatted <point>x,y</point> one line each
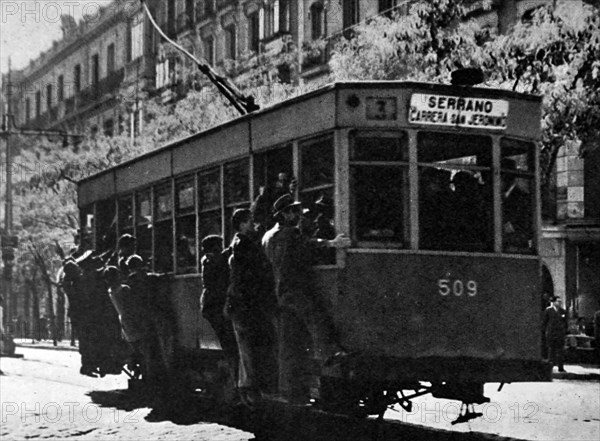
<point>577,377</point>
<point>50,347</point>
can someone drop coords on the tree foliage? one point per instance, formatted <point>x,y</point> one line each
<point>556,55</point>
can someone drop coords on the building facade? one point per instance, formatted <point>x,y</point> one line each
<point>85,79</point>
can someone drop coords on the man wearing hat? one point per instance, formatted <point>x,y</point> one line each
<point>298,301</point>
<point>251,305</point>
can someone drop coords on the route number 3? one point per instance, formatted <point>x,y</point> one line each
<point>457,287</point>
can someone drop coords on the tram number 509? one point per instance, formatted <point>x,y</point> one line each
<point>457,287</point>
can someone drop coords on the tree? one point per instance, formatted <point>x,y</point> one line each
<point>555,55</point>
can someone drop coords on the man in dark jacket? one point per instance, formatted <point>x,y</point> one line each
<point>300,307</point>
<point>215,281</point>
<point>251,306</point>
<point>555,327</point>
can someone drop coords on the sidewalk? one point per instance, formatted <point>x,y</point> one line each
<point>64,345</point>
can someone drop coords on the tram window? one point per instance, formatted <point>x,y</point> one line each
<point>454,149</point>
<point>185,226</point>
<point>209,199</point>
<point>517,180</point>
<point>317,171</point>
<point>163,234</point>
<point>317,163</point>
<point>379,188</point>
<point>126,215</point>
<point>236,189</point>
<point>380,149</point>
<point>106,225</point>
<point>455,192</point>
<point>379,203</point>
<point>268,186</point>
<point>143,229</point>
<point>236,182</point>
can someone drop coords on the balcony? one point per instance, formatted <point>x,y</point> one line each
<point>276,44</point>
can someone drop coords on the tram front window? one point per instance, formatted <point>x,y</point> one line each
<point>379,170</point>
<point>455,192</point>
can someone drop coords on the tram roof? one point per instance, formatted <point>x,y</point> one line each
<point>475,92</point>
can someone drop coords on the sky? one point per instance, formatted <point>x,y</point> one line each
<point>28,27</point>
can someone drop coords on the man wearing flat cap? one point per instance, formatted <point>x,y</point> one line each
<point>299,303</point>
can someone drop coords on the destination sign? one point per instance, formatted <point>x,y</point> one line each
<point>444,110</point>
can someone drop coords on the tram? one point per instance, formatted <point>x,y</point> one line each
<point>437,187</point>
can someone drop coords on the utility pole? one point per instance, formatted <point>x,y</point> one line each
<point>8,240</point>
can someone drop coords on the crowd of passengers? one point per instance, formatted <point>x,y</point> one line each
<point>259,293</point>
<point>259,296</point>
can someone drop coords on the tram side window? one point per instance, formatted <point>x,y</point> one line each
<point>185,225</point>
<point>517,178</point>
<point>209,199</point>
<point>86,232</point>
<point>317,176</point>
<point>272,170</point>
<point>163,234</point>
<point>143,228</point>
<point>106,225</point>
<point>455,192</point>
<point>236,189</point>
<point>126,215</point>
<point>379,187</point>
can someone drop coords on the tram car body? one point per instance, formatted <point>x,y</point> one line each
<point>436,186</point>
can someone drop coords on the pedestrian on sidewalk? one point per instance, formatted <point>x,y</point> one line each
<point>555,328</point>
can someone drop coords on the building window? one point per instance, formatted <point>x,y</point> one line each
<point>48,97</point>
<point>60,91</point>
<point>284,15</point>
<point>230,42</point>
<point>253,32</point>
<point>317,22</point>
<point>109,127</point>
<point>95,69</point>
<point>163,73</point>
<point>137,39</point>
<point>386,6</point>
<point>209,50</point>
<point>27,109</point>
<point>351,13</point>
<point>270,19</point>
<point>38,103</point>
<point>209,7</point>
<point>77,78</point>
<point>110,58</point>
